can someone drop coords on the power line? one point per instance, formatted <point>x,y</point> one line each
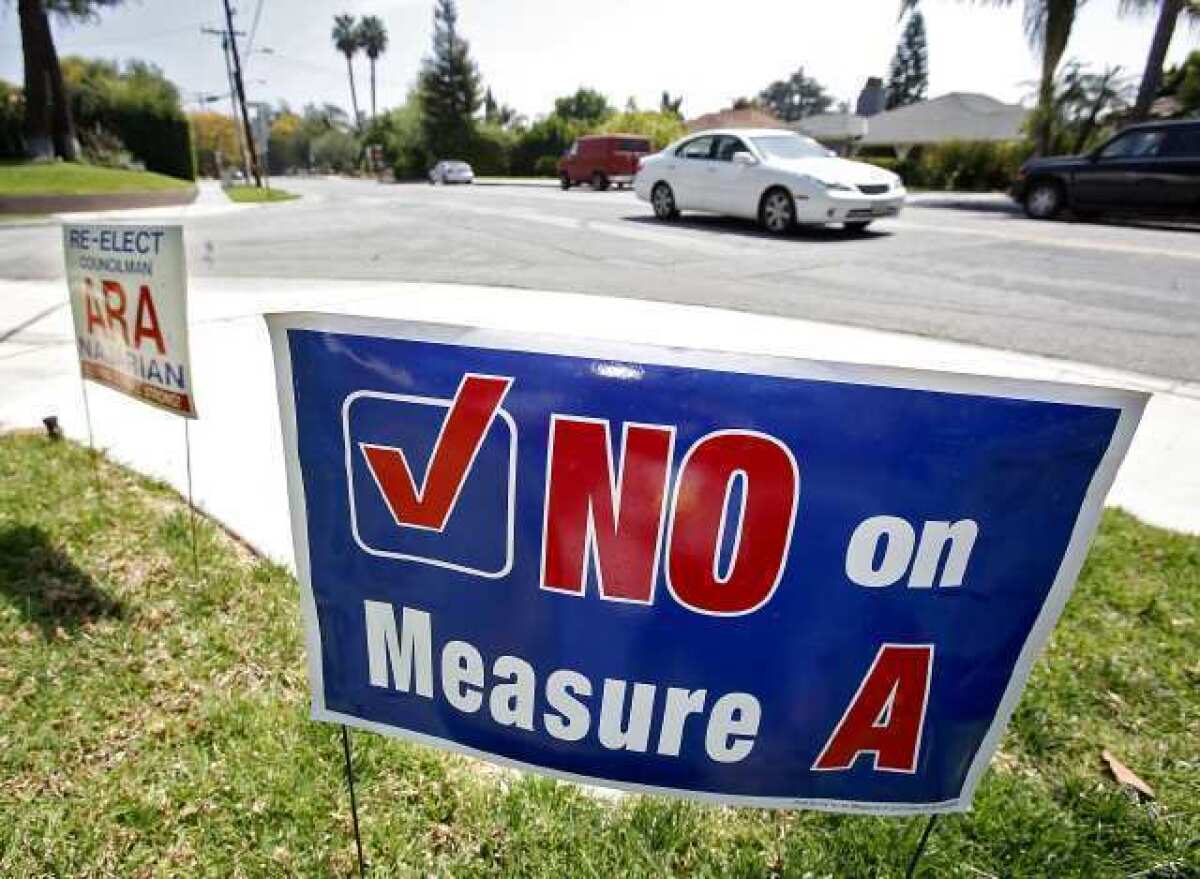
<point>253,29</point>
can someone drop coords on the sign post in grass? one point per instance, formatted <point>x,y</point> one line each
<point>734,578</point>
<point>128,289</point>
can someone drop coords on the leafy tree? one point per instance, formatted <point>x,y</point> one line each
<point>373,38</point>
<point>345,40</point>
<point>1182,82</point>
<point>448,85</point>
<point>587,106</point>
<point>12,118</point>
<point>1048,25</point>
<point>1169,13</point>
<point>1085,102</point>
<point>336,150</point>
<point>670,104</point>
<point>49,126</point>
<point>661,127</point>
<point>133,106</point>
<point>795,97</point>
<point>502,115</point>
<point>213,134</point>
<point>908,79</point>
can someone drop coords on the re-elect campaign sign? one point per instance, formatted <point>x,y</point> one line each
<point>128,287</point>
<point>744,579</point>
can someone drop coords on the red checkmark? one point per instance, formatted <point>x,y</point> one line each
<point>466,424</point>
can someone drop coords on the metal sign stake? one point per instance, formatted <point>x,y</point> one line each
<point>920,850</point>
<point>187,445</point>
<point>362,867</point>
<point>87,416</point>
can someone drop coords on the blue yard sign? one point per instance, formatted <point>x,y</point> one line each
<point>742,579</point>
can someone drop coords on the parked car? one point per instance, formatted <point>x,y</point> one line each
<point>451,172</point>
<point>1149,169</point>
<point>602,159</point>
<point>775,176</point>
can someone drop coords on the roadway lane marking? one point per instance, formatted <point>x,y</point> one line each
<point>1066,243</point>
<point>630,230</point>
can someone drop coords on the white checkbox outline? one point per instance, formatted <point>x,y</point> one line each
<point>510,525</point>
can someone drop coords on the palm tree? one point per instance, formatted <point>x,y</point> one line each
<point>1169,13</point>
<point>373,38</point>
<point>345,40</point>
<point>1048,26</point>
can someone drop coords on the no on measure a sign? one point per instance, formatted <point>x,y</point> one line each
<point>744,579</point>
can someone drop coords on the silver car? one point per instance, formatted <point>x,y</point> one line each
<point>451,172</point>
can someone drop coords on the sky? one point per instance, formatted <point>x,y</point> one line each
<point>532,51</point>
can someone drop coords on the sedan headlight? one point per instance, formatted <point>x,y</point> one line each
<point>832,187</point>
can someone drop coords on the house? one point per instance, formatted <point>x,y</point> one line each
<point>965,116</point>
<point>747,117</point>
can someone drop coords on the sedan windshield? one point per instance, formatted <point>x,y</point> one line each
<point>788,146</point>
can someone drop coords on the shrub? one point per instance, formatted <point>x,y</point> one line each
<point>490,149</point>
<point>545,166</point>
<point>661,128</point>
<point>12,121</point>
<point>336,151</point>
<point>139,106</point>
<point>969,166</point>
<point>888,163</point>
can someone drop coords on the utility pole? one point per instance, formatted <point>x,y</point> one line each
<point>233,107</point>
<point>241,96</point>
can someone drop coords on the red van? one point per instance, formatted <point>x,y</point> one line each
<point>601,159</point>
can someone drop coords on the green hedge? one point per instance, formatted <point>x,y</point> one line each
<point>12,122</point>
<point>968,166</point>
<point>161,141</point>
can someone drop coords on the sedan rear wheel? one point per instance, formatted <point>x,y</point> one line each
<point>663,200</point>
<point>1044,200</point>
<point>565,180</point>
<point>777,213</point>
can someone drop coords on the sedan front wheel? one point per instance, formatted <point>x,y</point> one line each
<point>663,200</point>
<point>777,213</point>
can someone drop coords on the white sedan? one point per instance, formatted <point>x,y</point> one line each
<point>451,172</point>
<point>775,176</point>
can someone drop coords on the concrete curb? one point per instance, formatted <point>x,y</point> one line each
<point>59,204</point>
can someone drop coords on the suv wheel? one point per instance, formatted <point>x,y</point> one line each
<point>1043,200</point>
<point>565,180</point>
<point>777,211</point>
<point>599,181</point>
<point>663,200</point>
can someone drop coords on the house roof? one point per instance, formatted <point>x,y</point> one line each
<point>749,117</point>
<point>953,116</point>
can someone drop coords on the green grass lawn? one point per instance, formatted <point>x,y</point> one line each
<point>72,178</point>
<point>155,723</point>
<point>253,194</point>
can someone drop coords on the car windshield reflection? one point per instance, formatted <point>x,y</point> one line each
<point>789,146</point>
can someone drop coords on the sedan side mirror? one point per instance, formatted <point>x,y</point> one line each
<point>744,158</point>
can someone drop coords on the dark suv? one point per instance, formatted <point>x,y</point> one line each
<point>1151,169</point>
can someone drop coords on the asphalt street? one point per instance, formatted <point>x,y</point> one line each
<point>1118,295</point>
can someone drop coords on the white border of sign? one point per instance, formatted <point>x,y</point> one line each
<point>1130,403</point>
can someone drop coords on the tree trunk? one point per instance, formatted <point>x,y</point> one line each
<point>1060,17</point>
<point>353,92</point>
<point>62,125</point>
<point>372,89</point>
<point>1164,30</point>
<point>38,144</point>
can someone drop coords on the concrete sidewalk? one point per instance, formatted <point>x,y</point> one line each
<point>236,454</point>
